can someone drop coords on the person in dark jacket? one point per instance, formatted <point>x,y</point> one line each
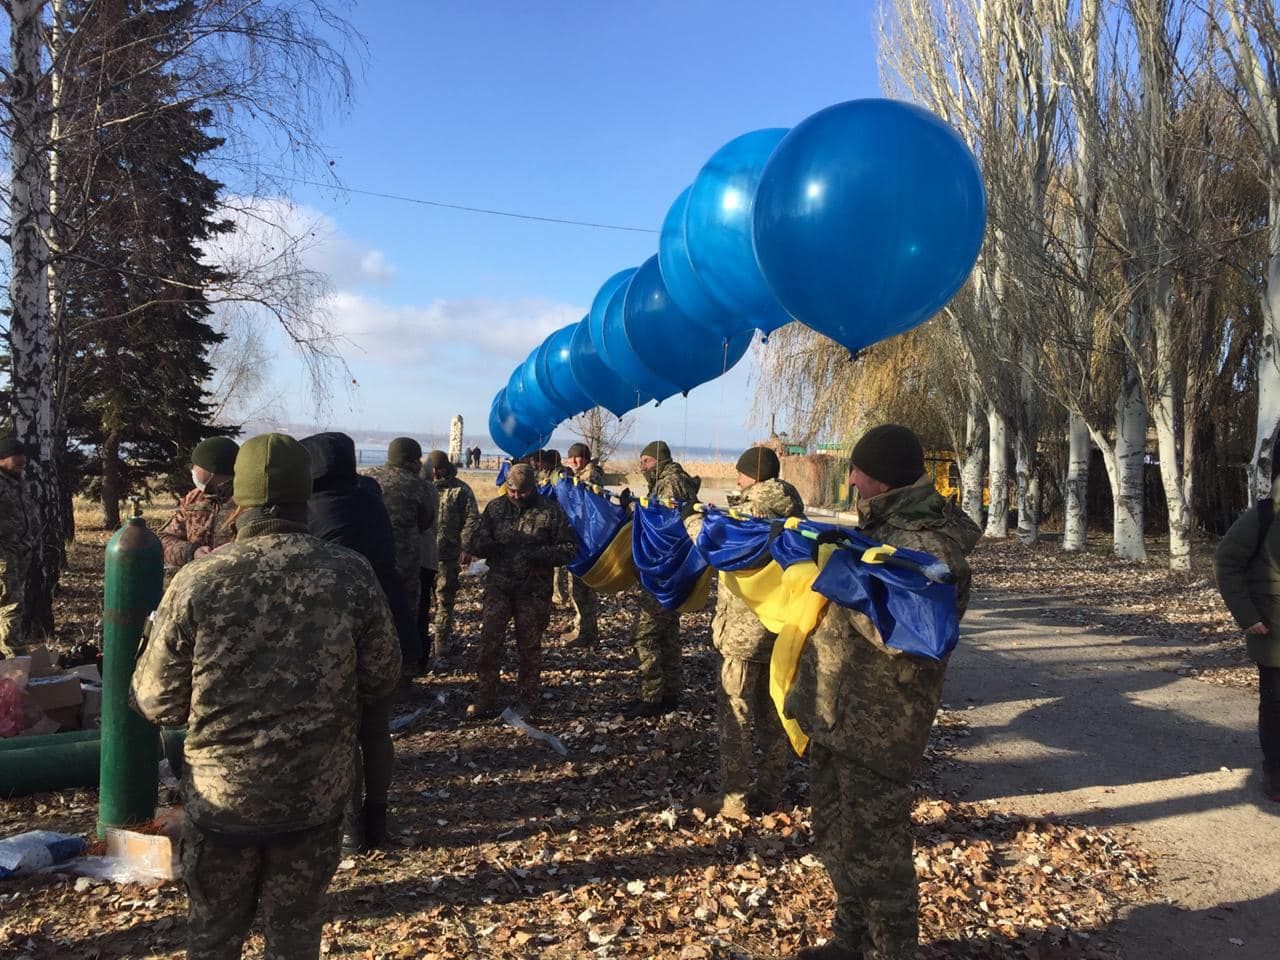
<point>1247,568</point>
<point>347,509</point>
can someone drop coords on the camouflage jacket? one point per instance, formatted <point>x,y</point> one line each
<point>458,514</point>
<point>735,630</point>
<point>670,482</point>
<point>17,523</point>
<point>203,519</point>
<point>523,542</point>
<point>591,473</point>
<point>867,702</point>
<point>265,650</point>
<point>412,509</point>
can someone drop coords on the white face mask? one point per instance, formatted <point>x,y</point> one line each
<point>200,484</point>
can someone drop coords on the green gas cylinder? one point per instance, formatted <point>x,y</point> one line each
<point>130,753</point>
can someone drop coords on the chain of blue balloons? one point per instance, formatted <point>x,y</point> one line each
<point>861,222</point>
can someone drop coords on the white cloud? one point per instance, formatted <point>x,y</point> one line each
<point>402,335</point>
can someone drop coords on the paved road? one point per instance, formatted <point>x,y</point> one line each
<point>1102,729</point>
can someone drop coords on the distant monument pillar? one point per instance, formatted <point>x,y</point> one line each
<point>455,439</point>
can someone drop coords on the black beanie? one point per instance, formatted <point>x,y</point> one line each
<point>404,452</point>
<point>759,463</point>
<point>891,454</point>
<point>658,449</point>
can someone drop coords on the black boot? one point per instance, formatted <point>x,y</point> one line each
<point>375,825</point>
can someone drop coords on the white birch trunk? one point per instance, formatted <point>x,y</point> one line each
<point>1268,355</point>
<point>1127,473</point>
<point>974,467</point>
<point>1075,489</point>
<point>998,459</point>
<point>1024,494</point>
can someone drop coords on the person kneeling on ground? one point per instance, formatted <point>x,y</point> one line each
<point>1247,568</point>
<point>523,536</point>
<point>868,709</point>
<point>265,651</point>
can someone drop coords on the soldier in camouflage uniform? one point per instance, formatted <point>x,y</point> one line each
<point>265,651</point>
<point>457,515</point>
<point>523,536</point>
<point>868,709</point>
<point>412,509</point>
<point>586,603</point>
<point>745,647</point>
<point>656,632</point>
<point>17,543</point>
<point>203,521</point>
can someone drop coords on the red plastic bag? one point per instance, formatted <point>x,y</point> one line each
<point>10,708</point>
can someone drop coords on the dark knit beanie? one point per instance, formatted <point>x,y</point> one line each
<point>404,452</point>
<point>437,460</point>
<point>216,454</point>
<point>578,450</point>
<point>891,454</point>
<point>521,479</point>
<point>658,450</point>
<point>759,463</point>
<point>10,445</point>
<point>272,469</point>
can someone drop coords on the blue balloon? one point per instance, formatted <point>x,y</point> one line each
<point>525,393</point>
<point>665,339</point>
<point>682,282</point>
<point>868,219</point>
<point>718,224</point>
<point>622,354</point>
<point>594,378</point>
<point>509,432</point>
<point>556,376</point>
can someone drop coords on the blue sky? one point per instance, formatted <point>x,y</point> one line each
<point>595,110</point>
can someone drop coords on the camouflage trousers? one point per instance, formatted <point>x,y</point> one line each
<point>656,635</point>
<point>283,884</point>
<point>13,575</point>
<point>528,604</point>
<point>748,720</point>
<point>586,613</point>
<point>446,596</point>
<point>862,827</point>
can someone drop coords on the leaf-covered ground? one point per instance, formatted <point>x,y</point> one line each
<point>1094,589</point>
<point>506,849</point>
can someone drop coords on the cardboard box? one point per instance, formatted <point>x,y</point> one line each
<point>43,662</point>
<point>67,718</point>
<point>50,693</point>
<point>155,855</point>
<point>18,669</point>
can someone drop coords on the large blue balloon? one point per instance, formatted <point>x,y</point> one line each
<point>526,395</point>
<point>665,339</point>
<point>868,219</point>
<point>616,356</point>
<point>682,282</point>
<point>595,379</point>
<point>622,352</point>
<point>717,229</point>
<point>509,432</point>
<point>556,376</point>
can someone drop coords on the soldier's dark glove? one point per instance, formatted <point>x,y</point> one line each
<point>625,497</point>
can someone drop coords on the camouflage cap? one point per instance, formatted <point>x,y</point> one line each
<point>216,454</point>
<point>520,478</point>
<point>658,449</point>
<point>272,468</point>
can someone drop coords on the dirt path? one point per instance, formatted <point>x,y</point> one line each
<point>1102,728</point>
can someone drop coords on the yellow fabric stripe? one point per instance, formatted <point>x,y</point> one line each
<point>701,592</point>
<point>614,570</point>
<point>878,554</point>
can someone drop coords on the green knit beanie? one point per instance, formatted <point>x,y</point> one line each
<point>891,454</point>
<point>272,469</point>
<point>216,454</point>
<point>404,452</point>
<point>759,463</point>
<point>658,449</point>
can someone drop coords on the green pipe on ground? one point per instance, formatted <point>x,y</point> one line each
<point>133,582</point>
<point>63,760</point>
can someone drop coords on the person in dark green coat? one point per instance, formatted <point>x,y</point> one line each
<point>1247,568</point>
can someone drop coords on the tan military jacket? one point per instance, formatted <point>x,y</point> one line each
<point>203,519</point>
<point>670,482</point>
<point>523,542</point>
<point>591,473</point>
<point>458,514</point>
<point>412,508</point>
<point>265,650</point>
<point>857,697</point>
<point>735,630</point>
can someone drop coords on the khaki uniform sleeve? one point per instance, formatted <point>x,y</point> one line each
<point>161,686</point>
<point>1231,563</point>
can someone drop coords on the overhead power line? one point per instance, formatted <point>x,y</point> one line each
<point>466,209</point>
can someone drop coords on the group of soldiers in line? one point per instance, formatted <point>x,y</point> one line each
<point>280,649</point>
